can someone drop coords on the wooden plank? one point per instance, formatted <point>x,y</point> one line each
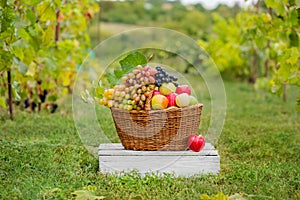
<point>114,158</point>
<point>182,166</point>
<point>118,150</point>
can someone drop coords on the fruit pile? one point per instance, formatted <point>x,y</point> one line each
<point>146,88</point>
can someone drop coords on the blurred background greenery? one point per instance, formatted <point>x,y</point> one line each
<point>193,20</point>
<point>46,41</point>
<point>253,41</point>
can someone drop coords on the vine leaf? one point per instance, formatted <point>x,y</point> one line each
<point>132,60</point>
<point>46,12</point>
<point>118,73</point>
<point>2,102</point>
<point>112,79</point>
<point>127,64</point>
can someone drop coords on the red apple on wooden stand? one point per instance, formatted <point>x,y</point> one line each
<point>196,142</point>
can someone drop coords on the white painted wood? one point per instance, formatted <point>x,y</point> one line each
<point>113,158</point>
<point>116,149</point>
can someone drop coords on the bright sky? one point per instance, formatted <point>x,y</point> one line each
<point>211,4</point>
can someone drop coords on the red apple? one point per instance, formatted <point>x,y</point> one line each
<point>155,92</point>
<point>196,142</point>
<point>172,99</point>
<point>159,102</point>
<point>183,89</point>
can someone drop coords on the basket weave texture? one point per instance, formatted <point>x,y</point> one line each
<point>150,130</point>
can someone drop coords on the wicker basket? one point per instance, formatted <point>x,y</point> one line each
<point>151,130</point>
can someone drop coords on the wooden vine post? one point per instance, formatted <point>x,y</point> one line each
<point>10,106</point>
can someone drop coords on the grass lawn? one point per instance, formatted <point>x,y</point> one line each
<point>42,157</point>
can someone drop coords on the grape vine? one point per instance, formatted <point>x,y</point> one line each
<point>41,45</point>
<point>260,44</point>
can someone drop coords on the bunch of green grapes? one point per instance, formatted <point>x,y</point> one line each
<point>132,94</point>
<point>142,94</point>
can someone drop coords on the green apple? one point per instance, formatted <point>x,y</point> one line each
<point>183,100</point>
<point>167,88</point>
<point>193,101</point>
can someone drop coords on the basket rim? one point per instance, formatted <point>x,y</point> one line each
<point>199,105</point>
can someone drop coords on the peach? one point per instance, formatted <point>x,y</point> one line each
<point>159,102</point>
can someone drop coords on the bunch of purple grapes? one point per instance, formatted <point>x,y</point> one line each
<point>163,77</point>
<point>140,76</point>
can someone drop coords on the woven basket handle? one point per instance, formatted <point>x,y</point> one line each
<point>148,101</point>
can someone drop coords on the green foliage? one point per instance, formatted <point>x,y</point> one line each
<point>132,60</point>
<point>260,45</point>
<point>44,41</point>
<point>192,23</point>
<point>224,48</point>
<point>194,20</point>
<point>2,102</point>
<point>127,64</point>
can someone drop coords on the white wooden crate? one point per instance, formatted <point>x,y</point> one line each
<point>114,158</point>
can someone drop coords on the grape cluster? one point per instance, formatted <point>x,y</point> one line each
<point>140,76</point>
<point>137,87</point>
<point>163,77</point>
<point>141,95</point>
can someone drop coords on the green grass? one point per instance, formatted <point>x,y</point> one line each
<point>42,157</point>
